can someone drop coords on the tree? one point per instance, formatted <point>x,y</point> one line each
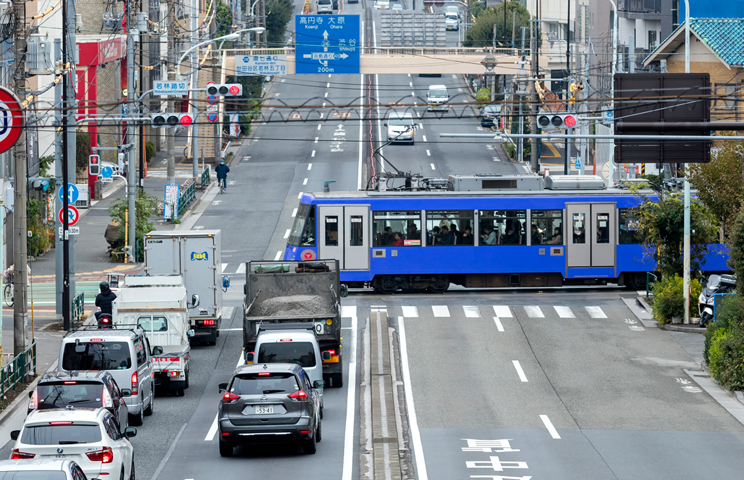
<point>736,250</point>
<point>481,33</point>
<point>82,150</point>
<point>278,15</point>
<point>145,205</point>
<point>720,183</point>
<point>661,230</point>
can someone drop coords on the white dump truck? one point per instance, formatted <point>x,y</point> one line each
<point>159,305</point>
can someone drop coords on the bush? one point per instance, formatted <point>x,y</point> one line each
<point>669,300</point>
<point>726,358</point>
<point>149,151</point>
<point>82,150</point>
<point>715,355</point>
<point>483,95</point>
<point>728,316</point>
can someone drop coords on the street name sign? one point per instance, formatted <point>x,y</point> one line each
<point>161,87</point>
<point>327,44</point>
<point>260,65</point>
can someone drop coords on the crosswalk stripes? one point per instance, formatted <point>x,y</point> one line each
<point>349,311</point>
<point>241,268</point>
<point>410,312</point>
<point>502,311</point>
<point>471,312</point>
<point>440,311</point>
<point>224,266</point>
<point>595,312</point>
<point>564,312</point>
<point>534,312</point>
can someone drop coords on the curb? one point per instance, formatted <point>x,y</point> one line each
<point>672,327</point>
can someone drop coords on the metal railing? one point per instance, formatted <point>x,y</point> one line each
<point>78,309</point>
<point>205,179</point>
<point>387,51</point>
<point>17,369</point>
<point>648,282</point>
<point>188,195</point>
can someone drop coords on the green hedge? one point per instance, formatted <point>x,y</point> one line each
<point>724,344</point>
<point>669,300</point>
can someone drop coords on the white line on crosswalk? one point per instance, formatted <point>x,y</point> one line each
<point>595,312</point>
<point>410,312</point>
<point>348,310</point>
<point>440,310</point>
<point>564,312</point>
<point>519,370</point>
<point>534,312</point>
<point>549,425</point>
<point>241,268</point>
<point>499,327</point>
<point>294,213</point>
<point>286,234</point>
<point>471,311</point>
<point>502,311</point>
<point>224,266</point>
<point>278,255</point>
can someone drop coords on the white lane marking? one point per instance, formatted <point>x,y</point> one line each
<point>413,94</point>
<point>312,155</point>
<point>310,165</point>
<point>276,94</point>
<point>471,311</point>
<point>534,312</point>
<point>409,74</point>
<point>294,213</point>
<point>318,127</point>
<point>410,312</point>
<point>299,195</point>
<point>321,115</point>
<point>564,312</point>
<point>350,405</point>
<point>326,95</point>
<point>328,85</point>
<point>304,182</point>
<point>595,312</point>
<point>224,266</point>
<point>348,311</point>
<point>499,326</point>
<point>424,136</point>
<point>432,166</point>
<point>440,311</point>
<point>316,140</point>
<point>278,256</point>
<point>241,269</point>
<point>428,153</point>
<point>410,84</point>
<point>502,311</point>
<point>284,80</point>
<point>213,428</point>
<point>286,234</point>
<point>421,126</point>
<point>418,449</point>
<point>231,329</point>
<point>324,104</point>
<point>550,427</point>
<point>329,76</point>
<point>454,76</point>
<point>519,370</point>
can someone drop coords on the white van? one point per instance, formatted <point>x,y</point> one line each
<point>382,4</point>
<point>452,21</point>
<point>400,128</point>
<point>437,98</point>
<point>291,343</point>
<point>324,6</point>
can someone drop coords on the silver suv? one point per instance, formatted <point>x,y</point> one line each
<point>269,403</point>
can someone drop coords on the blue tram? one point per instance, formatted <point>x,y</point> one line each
<point>486,232</point>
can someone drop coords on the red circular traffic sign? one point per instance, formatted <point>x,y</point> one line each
<point>308,255</point>
<point>73,215</point>
<point>212,116</point>
<point>11,119</point>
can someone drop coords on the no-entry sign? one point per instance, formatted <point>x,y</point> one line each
<point>72,215</point>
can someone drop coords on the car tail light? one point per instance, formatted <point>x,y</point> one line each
<point>105,455</point>
<point>264,374</point>
<point>305,432</point>
<point>230,397</point>
<point>285,340</point>
<point>135,384</point>
<point>60,423</point>
<point>18,455</point>
<point>209,323</point>
<point>70,382</point>
<point>108,402</point>
<point>299,395</point>
<point>33,404</point>
<point>332,352</point>
<point>249,358</point>
<point>173,374</point>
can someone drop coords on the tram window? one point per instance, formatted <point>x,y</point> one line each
<point>303,230</point>
<point>603,226</point>
<point>628,227</point>
<point>505,227</point>
<point>331,231</point>
<point>406,224</point>
<point>547,227</point>
<point>356,231</point>
<point>579,227</point>
<point>448,228</point>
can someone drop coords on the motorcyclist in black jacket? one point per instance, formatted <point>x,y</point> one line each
<point>105,300</point>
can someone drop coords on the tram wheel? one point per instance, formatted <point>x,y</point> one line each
<point>440,285</point>
<point>637,280</point>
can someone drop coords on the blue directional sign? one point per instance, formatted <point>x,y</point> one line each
<point>72,194</point>
<point>106,172</point>
<point>327,44</point>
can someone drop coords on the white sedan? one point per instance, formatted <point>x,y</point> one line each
<point>90,438</point>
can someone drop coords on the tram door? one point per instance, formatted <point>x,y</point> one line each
<point>591,236</point>
<point>344,235</point>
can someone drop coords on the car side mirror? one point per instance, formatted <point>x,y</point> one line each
<point>125,392</point>
<point>31,394</point>
<point>194,301</point>
<point>130,432</point>
<point>156,350</point>
<point>318,384</point>
<point>225,282</point>
<point>222,387</point>
<point>14,434</point>
<point>384,124</point>
<point>326,355</point>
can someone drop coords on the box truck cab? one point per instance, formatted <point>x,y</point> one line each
<point>437,98</point>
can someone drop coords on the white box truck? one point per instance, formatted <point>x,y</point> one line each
<point>196,255</point>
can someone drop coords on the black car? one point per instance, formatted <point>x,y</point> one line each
<point>489,115</point>
<point>335,4</point>
<point>269,403</point>
<point>81,389</point>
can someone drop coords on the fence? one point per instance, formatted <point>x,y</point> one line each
<point>17,370</point>
<point>78,309</point>
<point>205,179</point>
<point>188,195</point>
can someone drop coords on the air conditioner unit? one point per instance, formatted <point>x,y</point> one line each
<point>83,200</point>
<point>5,12</point>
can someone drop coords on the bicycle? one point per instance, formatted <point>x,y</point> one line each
<point>8,292</point>
<point>223,184</point>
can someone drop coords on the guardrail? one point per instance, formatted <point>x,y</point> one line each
<point>648,283</point>
<point>386,51</point>
<point>205,179</point>
<point>187,196</point>
<point>78,309</point>
<point>17,369</point>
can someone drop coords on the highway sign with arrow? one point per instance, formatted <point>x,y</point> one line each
<point>327,44</point>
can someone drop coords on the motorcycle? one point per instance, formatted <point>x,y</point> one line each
<point>105,320</point>
<point>715,284</point>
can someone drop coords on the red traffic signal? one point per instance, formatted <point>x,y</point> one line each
<point>234,89</point>
<point>569,121</point>
<point>548,121</point>
<point>186,120</point>
<point>94,165</point>
<point>227,89</point>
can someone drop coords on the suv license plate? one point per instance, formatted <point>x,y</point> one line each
<point>263,409</point>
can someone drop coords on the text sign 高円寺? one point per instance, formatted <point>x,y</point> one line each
<point>327,44</point>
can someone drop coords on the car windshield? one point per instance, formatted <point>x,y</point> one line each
<point>257,384</point>
<point>97,356</point>
<point>491,109</point>
<point>303,230</point>
<point>301,353</point>
<point>451,16</point>
<point>438,93</point>
<point>59,395</point>
<point>400,122</point>
<point>67,434</point>
<point>33,475</point>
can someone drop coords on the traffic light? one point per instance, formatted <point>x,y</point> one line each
<point>171,120</point>
<point>226,90</point>
<point>548,121</point>
<point>94,165</point>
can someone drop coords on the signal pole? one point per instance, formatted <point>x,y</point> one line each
<point>131,109</point>
<point>170,136</point>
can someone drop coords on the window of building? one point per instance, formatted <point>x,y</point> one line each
<point>502,227</point>
<point>651,39</point>
<point>547,227</point>
<point>406,224</point>
<point>447,228</point>
<point>628,222</point>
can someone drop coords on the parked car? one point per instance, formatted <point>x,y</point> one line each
<point>41,469</point>
<point>88,389</point>
<point>489,115</point>
<point>269,403</point>
<point>397,6</point>
<point>89,437</point>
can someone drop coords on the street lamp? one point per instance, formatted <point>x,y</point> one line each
<point>224,38</point>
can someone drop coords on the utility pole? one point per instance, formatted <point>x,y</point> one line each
<point>567,82</point>
<point>534,153</point>
<point>194,86</point>
<point>131,112</point>
<point>20,313</point>
<point>216,57</point>
<point>139,92</point>
<point>58,146</point>
<point>584,110</point>
<point>170,145</point>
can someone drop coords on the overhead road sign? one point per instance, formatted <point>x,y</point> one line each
<point>73,215</point>
<point>261,65</point>
<point>11,119</point>
<point>72,194</point>
<point>327,44</point>
<point>161,87</point>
